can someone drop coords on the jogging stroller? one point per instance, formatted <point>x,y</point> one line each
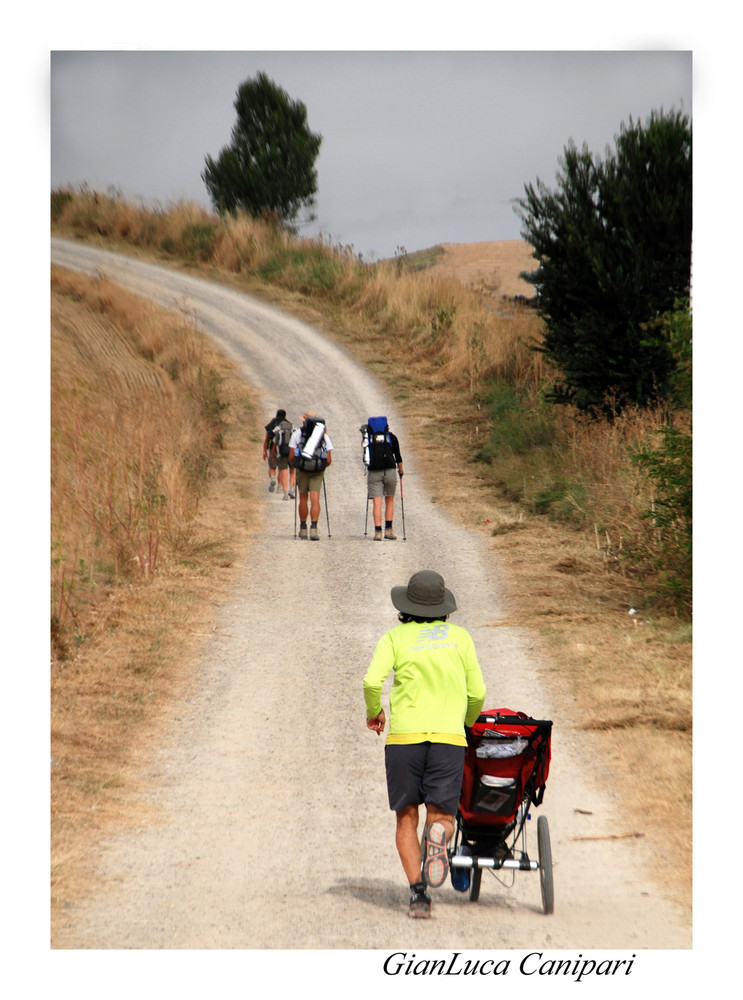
<point>505,772</point>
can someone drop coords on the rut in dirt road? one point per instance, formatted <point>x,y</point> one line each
<point>273,829</point>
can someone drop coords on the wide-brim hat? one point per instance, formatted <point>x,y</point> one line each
<point>425,596</point>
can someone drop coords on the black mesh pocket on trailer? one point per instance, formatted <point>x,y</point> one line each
<point>494,795</point>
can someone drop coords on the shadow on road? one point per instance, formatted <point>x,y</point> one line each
<point>389,895</point>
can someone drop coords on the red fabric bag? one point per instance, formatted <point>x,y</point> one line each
<point>508,753</point>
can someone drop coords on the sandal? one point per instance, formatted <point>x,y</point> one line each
<point>435,858</point>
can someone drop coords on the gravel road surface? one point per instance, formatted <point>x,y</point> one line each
<point>272,828</point>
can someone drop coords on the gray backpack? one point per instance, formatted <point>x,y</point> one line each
<point>281,434</point>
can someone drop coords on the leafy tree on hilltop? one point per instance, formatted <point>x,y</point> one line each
<point>613,244</point>
<point>269,167</point>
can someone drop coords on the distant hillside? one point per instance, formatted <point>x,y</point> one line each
<point>491,267</point>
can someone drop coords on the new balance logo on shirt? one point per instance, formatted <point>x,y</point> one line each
<point>439,630</point>
<point>432,637</point>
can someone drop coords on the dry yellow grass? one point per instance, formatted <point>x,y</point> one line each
<point>124,641</point>
<point>492,269</point>
<point>135,431</point>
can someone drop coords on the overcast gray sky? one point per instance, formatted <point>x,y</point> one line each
<point>418,148</point>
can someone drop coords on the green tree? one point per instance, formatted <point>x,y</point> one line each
<point>613,246</point>
<point>269,167</point>
<point>669,467</point>
<point>676,329</point>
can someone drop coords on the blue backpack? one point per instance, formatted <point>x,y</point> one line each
<point>377,445</point>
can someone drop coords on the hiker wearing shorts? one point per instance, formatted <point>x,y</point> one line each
<point>437,690</point>
<point>286,476</point>
<point>384,464</point>
<point>269,449</point>
<point>282,433</point>
<point>309,483</point>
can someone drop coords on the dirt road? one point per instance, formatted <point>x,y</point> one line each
<point>272,828</point>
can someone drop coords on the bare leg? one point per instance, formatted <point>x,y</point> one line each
<point>377,511</point>
<point>406,836</point>
<point>314,506</point>
<point>407,842</point>
<point>436,815</point>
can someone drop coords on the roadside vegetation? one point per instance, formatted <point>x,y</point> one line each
<point>551,460</point>
<point>150,431</point>
<point>590,518</point>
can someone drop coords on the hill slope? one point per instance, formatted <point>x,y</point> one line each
<point>493,268</point>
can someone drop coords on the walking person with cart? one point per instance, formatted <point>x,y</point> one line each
<point>383,461</point>
<point>311,453</point>
<point>438,690</point>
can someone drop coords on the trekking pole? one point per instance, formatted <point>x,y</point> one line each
<point>366,516</point>
<point>325,494</point>
<point>402,510</point>
<point>295,509</point>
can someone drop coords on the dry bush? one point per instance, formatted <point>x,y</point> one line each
<point>91,212</point>
<point>616,493</point>
<point>398,305</point>
<point>141,225</point>
<point>489,345</point>
<point>239,245</point>
<point>434,317</point>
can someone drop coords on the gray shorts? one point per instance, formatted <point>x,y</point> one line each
<point>381,483</point>
<point>424,773</point>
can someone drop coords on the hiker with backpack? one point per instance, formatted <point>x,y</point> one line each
<point>311,453</point>
<point>437,691</point>
<point>383,461</point>
<point>270,450</point>
<point>286,473</point>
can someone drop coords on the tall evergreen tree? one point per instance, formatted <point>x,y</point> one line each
<point>613,244</point>
<point>269,167</point>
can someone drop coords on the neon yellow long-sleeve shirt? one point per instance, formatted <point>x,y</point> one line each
<point>438,686</point>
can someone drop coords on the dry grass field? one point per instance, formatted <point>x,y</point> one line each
<point>493,269</point>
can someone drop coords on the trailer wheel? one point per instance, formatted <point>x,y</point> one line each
<point>545,865</point>
<point>475,880</point>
